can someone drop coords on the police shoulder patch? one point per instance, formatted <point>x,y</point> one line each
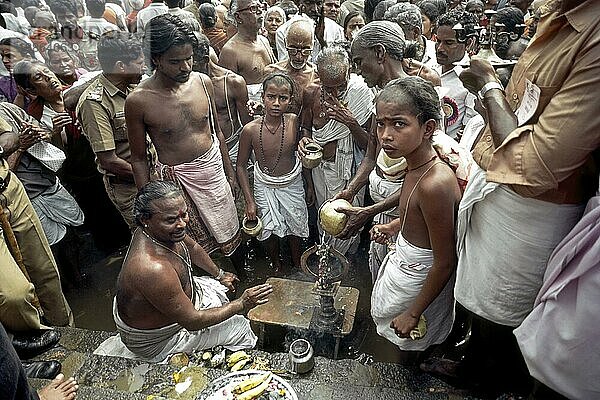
<point>95,92</point>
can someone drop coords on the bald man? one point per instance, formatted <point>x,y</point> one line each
<point>335,114</point>
<point>299,43</point>
<point>247,53</point>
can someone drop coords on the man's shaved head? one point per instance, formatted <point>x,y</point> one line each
<point>300,30</point>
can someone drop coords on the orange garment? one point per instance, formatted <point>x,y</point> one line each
<point>38,38</point>
<point>550,156</point>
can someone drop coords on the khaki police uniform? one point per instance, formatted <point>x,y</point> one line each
<point>101,113</point>
<point>17,312</point>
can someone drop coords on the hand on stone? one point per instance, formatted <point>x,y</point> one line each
<point>255,295</point>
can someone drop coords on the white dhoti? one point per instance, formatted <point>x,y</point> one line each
<point>281,203</point>
<point>400,279</point>
<point>155,345</point>
<point>330,178</point>
<point>380,189</point>
<point>503,245</point>
<point>558,339</point>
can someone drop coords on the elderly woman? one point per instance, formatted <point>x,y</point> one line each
<point>352,24</point>
<point>274,18</point>
<point>55,207</point>
<point>13,50</point>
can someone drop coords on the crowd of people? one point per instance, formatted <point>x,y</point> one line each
<point>181,121</point>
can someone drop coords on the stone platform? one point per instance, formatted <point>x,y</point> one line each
<point>114,378</point>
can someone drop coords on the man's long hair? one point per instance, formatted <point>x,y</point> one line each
<point>162,33</point>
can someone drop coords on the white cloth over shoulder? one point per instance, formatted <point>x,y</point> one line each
<point>503,245</point>
<point>400,280</point>
<point>155,345</point>
<point>281,203</point>
<point>360,100</point>
<point>559,339</point>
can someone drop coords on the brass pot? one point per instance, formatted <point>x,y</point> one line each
<point>313,157</point>
<point>332,221</point>
<point>252,227</point>
<point>301,356</point>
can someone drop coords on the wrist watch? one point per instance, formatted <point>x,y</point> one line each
<point>487,87</point>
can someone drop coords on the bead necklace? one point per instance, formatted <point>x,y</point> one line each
<point>187,260</point>
<point>268,170</point>
<point>274,131</point>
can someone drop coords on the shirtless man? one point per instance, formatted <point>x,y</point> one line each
<point>160,307</point>
<point>231,95</point>
<point>333,115</point>
<point>174,107</point>
<point>299,44</point>
<point>248,53</point>
<point>278,188</point>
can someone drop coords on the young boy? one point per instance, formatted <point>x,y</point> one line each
<point>278,188</point>
<point>417,278</point>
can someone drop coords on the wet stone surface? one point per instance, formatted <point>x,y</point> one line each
<point>117,378</point>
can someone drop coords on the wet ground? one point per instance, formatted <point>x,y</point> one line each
<point>91,301</point>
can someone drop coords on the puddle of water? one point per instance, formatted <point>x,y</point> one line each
<point>129,380</point>
<point>72,363</point>
<point>98,295</point>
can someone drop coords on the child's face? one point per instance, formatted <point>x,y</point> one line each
<point>398,129</point>
<point>276,99</point>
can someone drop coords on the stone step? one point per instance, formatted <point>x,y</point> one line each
<point>103,377</point>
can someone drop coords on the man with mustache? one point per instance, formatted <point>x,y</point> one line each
<point>100,112</point>
<point>451,48</point>
<point>247,53</point>
<point>175,108</point>
<point>160,307</point>
<point>299,44</point>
